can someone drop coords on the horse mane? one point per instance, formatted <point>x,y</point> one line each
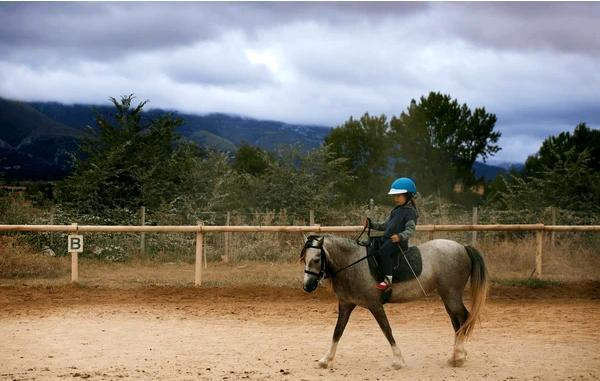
<point>335,243</point>
<point>338,243</point>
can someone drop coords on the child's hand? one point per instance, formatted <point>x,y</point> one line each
<point>396,238</point>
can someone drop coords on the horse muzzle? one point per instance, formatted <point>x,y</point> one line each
<point>310,283</point>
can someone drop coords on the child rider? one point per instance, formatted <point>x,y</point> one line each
<point>398,228</point>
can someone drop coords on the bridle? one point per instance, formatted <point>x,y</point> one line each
<point>323,273</point>
<point>326,272</point>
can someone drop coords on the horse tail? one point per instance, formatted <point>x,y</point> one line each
<point>479,290</point>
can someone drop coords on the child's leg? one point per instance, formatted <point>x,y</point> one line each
<point>387,252</point>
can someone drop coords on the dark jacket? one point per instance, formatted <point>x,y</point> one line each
<point>402,221</point>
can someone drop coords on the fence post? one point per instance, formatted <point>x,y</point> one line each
<point>74,262</point>
<point>553,210</point>
<point>441,220</point>
<point>311,217</point>
<point>225,257</point>
<point>142,235</point>
<point>539,238</point>
<point>199,252</point>
<point>475,222</point>
<point>52,223</point>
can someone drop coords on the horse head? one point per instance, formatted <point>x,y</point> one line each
<point>315,262</point>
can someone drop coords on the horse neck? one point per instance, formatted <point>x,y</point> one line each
<point>338,257</point>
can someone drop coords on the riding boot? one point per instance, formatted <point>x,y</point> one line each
<point>387,283</point>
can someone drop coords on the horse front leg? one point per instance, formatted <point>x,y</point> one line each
<point>344,311</point>
<point>379,314</point>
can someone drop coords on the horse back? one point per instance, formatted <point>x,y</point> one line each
<point>445,266</point>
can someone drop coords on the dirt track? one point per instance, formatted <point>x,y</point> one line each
<point>279,333</point>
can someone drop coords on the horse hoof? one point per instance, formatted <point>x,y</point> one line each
<point>324,364</point>
<point>398,362</point>
<point>457,361</point>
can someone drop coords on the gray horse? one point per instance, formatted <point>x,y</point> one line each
<point>446,266</point>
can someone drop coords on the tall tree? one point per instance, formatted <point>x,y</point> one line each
<point>556,149</point>
<point>294,180</point>
<point>364,144</point>
<point>437,140</point>
<point>251,160</point>
<point>130,162</point>
<point>564,173</point>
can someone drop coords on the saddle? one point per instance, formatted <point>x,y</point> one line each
<point>402,272</point>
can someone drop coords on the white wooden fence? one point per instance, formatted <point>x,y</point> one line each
<point>539,229</point>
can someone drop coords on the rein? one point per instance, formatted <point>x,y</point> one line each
<point>350,265</point>
<point>324,273</point>
<point>365,244</point>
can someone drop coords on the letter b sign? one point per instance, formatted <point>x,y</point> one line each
<point>75,244</point>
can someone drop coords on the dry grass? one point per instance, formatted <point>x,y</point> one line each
<point>515,259</point>
<point>21,261</point>
<point>507,259</point>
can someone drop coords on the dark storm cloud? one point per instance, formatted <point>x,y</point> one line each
<point>568,27</point>
<point>112,29</point>
<point>535,65</point>
<point>96,29</point>
<point>552,119</point>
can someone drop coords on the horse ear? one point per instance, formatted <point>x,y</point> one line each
<point>305,237</point>
<point>321,240</point>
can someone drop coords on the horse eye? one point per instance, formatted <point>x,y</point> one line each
<point>317,260</point>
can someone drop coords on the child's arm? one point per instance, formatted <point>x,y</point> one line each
<point>378,226</point>
<point>409,230</point>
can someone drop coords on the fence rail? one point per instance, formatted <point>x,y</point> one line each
<point>289,229</point>
<point>539,229</point>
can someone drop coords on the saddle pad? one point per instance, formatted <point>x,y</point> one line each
<point>401,270</point>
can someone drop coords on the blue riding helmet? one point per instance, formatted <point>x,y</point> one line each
<point>403,185</point>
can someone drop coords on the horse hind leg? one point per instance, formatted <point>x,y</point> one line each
<point>458,315</point>
<point>344,311</point>
<point>379,314</point>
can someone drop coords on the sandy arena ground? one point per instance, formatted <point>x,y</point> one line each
<point>267,333</point>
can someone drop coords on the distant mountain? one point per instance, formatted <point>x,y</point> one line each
<point>20,122</point>
<point>489,171</point>
<point>33,145</point>
<point>37,139</point>
<point>509,165</point>
<point>261,133</point>
<point>219,131</point>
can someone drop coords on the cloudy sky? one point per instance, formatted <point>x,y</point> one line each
<point>535,65</point>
